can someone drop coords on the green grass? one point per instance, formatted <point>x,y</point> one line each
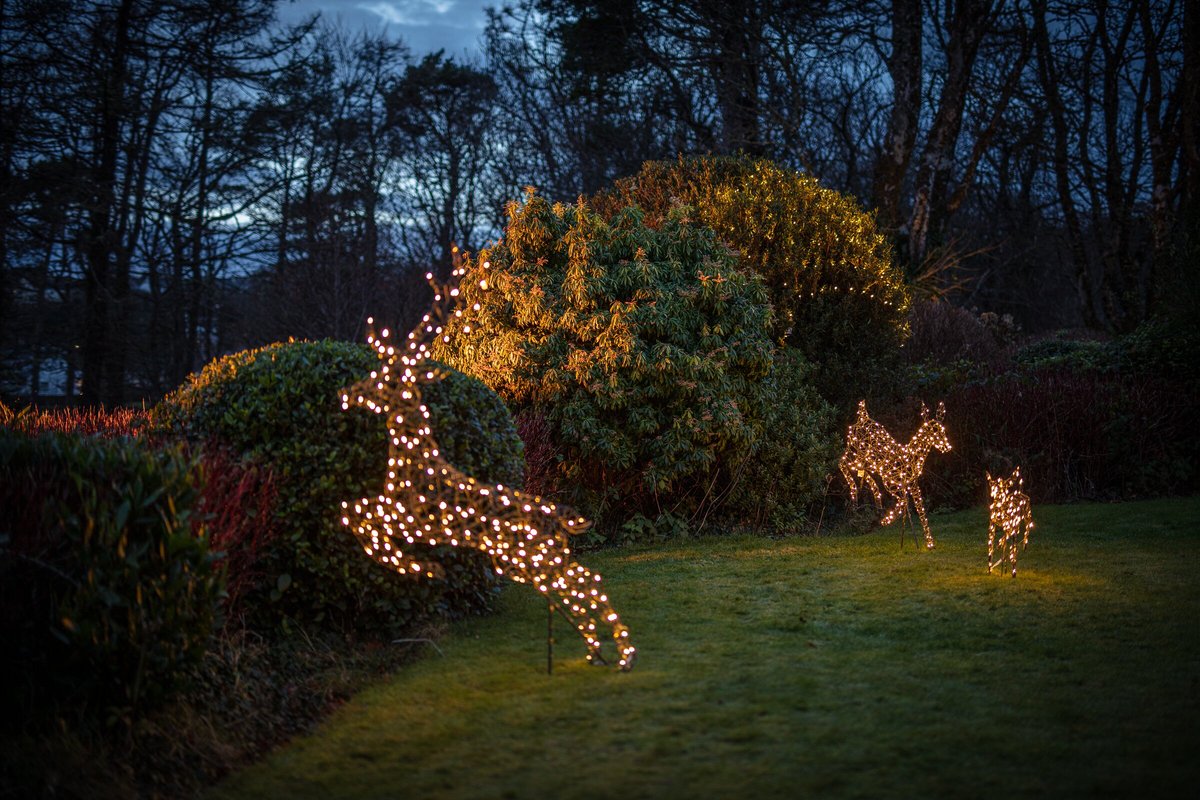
<point>825,667</point>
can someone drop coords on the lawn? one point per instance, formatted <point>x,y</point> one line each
<point>837,666</point>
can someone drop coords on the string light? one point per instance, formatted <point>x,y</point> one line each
<point>871,451</point>
<point>427,501</point>
<point>1009,512</point>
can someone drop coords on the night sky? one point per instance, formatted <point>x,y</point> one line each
<point>424,25</point>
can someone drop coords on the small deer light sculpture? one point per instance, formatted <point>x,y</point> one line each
<point>427,501</point>
<point>1009,512</point>
<point>871,451</point>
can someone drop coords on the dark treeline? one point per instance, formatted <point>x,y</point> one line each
<point>181,178</point>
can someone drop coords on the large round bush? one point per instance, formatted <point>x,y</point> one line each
<point>280,406</point>
<point>838,296</point>
<point>646,350</point>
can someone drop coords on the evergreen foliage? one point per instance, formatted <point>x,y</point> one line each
<point>838,297</point>
<point>108,591</point>
<point>647,350</point>
<point>279,406</point>
<point>788,468</point>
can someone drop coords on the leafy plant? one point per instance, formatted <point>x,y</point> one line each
<point>100,421</point>
<point>238,505</point>
<point>642,348</point>
<point>837,294</point>
<point>786,471</point>
<point>108,591</point>
<point>1082,355</point>
<point>279,407</point>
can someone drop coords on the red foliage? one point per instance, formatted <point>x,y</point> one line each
<point>942,334</point>
<point>85,421</point>
<point>237,506</point>
<point>1075,435</point>
<point>541,461</point>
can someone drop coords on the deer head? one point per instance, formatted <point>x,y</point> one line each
<point>934,429</point>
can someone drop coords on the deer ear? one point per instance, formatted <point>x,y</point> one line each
<point>924,411</point>
<point>941,412</point>
<point>989,476</point>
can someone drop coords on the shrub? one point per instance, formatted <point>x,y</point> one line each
<point>279,407</point>
<point>541,453</point>
<point>942,335</point>
<point>107,594</point>
<point>238,505</point>
<point>105,422</point>
<point>1167,348</point>
<point>642,349</point>
<point>786,471</point>
<point>1076,434</point>
<point>838,297</point>
<point>1077,355</point>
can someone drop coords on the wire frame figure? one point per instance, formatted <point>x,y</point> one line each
<point>428,501</point>
<point>872,452</point>
<point>1010,516</point>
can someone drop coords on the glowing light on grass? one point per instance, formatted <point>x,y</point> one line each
<point>1011,516</point>
<point>872,451</point>
<point>427,501</point>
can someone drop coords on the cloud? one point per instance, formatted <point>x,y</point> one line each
<point>415,12</point>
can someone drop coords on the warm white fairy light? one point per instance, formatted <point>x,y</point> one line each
<point>427,501</point>
<point>871,451</point>
<point>1010,515</point>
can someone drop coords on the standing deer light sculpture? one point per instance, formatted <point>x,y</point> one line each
<point>871,449</point>
<point>1008,512</point>
<point>427,501</point>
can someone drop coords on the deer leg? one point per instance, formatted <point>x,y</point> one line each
<point>895,511</point>
<point>584,604</point>
<point>920,504</point>
<point>1012,551</point>
<point>869,480</point>
<point>851,479</point>
<point>991,546</point>
<point>891,515</point>
<point>568,605</point>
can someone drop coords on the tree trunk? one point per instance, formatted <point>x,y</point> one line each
<point>99,240</point>
<point>1093,310</point>
<point>736,72</point>
<point>904,66</point>
<point>967,27</point>
<point>1189,112</point>
<point>1164,146</point>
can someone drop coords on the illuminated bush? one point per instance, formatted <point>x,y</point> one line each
<point>838,297</point>
<point>800,443</point>
<point>280,406</point>
<point>108,590</point>
<point>647,352</point>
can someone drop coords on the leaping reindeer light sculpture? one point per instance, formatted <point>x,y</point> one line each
<point>871,449</point>
<point>427,501</point>
<point>1008,511</point>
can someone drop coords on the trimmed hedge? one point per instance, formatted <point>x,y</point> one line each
<point>1084,419</point>
<point>108,591</point>
<point>279,406</point>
